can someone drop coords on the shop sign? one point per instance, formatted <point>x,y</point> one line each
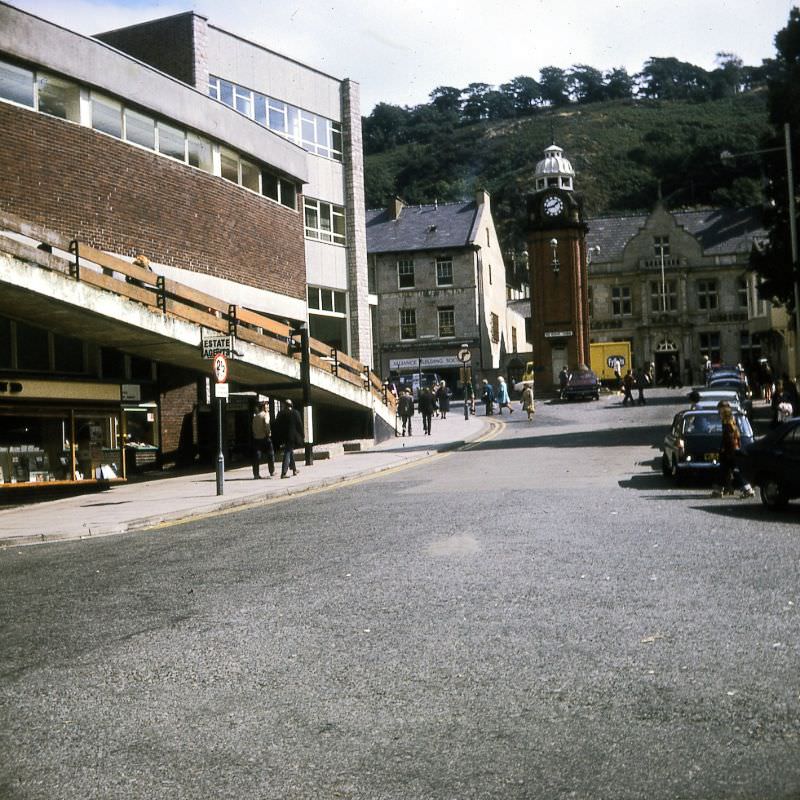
<point>429,362</point>
<point>131,393</point>
<point>557,334</point>
<point>212,345</point>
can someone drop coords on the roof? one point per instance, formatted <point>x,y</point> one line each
<point>431,227</point>
<point>718,230</point>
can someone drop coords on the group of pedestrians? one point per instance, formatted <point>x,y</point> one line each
<point>286,433</point>
<point>431,400</point>
<point>640,381</point>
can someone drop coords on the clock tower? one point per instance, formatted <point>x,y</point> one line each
<point>558,270</point>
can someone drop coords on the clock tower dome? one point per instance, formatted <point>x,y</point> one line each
<point>558,270</point>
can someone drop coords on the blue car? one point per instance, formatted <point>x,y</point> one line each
<point>692,445</point>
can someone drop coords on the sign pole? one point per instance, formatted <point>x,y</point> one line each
<point>464,356</point>
<point>220,392</point>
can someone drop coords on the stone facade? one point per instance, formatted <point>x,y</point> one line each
<point>677,285</point>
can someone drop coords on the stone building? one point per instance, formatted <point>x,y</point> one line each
<point>440,280</point>
<point>676,284</point>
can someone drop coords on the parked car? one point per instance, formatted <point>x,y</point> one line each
<point>709,398</point>
<point>582,385</point>
<point>727,371</point>
<point>741,387</point>
<point>773,464</point>
<point>692,444</point>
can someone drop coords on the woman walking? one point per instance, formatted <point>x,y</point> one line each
<point>502,396</point>
<point>527,401</point>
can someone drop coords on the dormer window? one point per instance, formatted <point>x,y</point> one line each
<point>552,182</point>
<point>566,183</point>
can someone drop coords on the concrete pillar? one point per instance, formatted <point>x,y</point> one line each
<point>357,276</point>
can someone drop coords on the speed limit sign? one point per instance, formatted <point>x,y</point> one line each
<point>220,368</point>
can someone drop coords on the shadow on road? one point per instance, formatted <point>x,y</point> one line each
<point>637,436</point>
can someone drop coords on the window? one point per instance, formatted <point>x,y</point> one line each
<point>447,321</point>
<point>669,300</point>
<point>171,141</point>
<point>251,178</point>
<point>278,189</point>
<point>200,153</point>
<point>229,165</point>
<point>16,84</point>
<point>495,328</point>
<point>513,340</point>
<point>749,347</point>
<point>314,133</point>
<point>661,246</point>
<point>140,129</point>
<point>59,98</point>
<point>67,354</point>
<point>330,300</point>
<point>33,348</point>
<point>444,271</point>
<point>707,297</point>
<point>490,274</point>
<point>324,221</point>
<point>405,273</point>
<point>709,343</point>
<point>621,301</point>
<point>408,323</point>
<point>743,294</point>
<point>106,115</point>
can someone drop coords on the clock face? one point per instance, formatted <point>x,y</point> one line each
<point>553,205</point>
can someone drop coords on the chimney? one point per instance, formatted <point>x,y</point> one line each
<point>395,208</point>
<point>482,198</point>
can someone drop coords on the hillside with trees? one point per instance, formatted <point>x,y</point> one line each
<point>629,138</point>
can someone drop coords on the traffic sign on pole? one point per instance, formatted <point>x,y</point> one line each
<point>220,368</point>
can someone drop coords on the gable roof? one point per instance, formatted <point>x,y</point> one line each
<point>430,227</point>
<point>718,230</point>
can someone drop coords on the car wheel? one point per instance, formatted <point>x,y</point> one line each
<point>772,493</point>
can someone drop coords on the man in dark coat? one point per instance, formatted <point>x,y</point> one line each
<point>426,404</point>
<point>405,407</point>
<point>288,433</point>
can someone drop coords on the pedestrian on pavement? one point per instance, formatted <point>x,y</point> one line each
<point>641,382</point>
<point>425,403</point>
<point>443,399</point>
<point>488,397</point>
<point>503,400</point>
<point>675,373</point>
<point>405,407</point>
<point>262,443</point>
<point>627,388</point>
<point>289,434</point>
<point>616,365</point>
<point>705,368</point>
<point>731,442</point>
<point>528,402</point>
<point>563,380</point>
<point>469,395</point>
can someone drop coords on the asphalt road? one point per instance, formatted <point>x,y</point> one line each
<point>539,615</point>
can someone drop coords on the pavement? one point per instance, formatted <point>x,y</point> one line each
<point>167,500</point>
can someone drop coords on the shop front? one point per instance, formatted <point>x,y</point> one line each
<point>55,432</point>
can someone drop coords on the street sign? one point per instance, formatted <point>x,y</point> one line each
<point>211,345</point>
<point>220,368</point>
<point>464,355</point>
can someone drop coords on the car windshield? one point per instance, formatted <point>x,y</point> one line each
<point>702,424</point>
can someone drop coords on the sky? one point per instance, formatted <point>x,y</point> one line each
<point>400,51</point>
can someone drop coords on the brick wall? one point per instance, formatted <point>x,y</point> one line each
<point>178,406</point>
<point>121,198</point>
<point>166,44</point>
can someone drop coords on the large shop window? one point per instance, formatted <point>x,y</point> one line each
<point>60,445</point>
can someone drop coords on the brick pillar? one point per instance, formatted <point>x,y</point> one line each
<point>353,162</point>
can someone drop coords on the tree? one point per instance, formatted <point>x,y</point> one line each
<point>619,85</point>
<point>774,261</point>
<point>475,107</point>
<point>525,93</point>
<point>553,84</point>
<point>585,84</point>
<point>446,99</point>
<point>384,128</point>
<point>671,79</point>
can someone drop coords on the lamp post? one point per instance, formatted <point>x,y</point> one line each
<point>727,158</point>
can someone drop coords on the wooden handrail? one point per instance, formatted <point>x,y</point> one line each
<point>184,302</point>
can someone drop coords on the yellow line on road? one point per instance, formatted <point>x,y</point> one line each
<point>495,426</point>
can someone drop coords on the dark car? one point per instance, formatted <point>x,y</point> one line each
<point>582,385</point>
<point>692,444</point>
<point>773,464</point>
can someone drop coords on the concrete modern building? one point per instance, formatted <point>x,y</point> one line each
<point>235,171</point>
<point>440,280</point>
<point>676,284</point>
